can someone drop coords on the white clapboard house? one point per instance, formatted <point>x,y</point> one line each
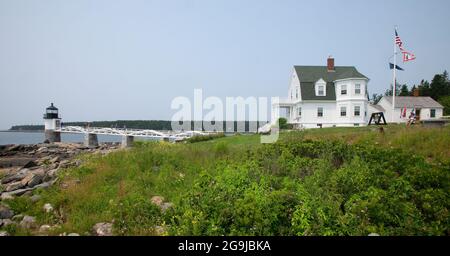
<point>325,96</point>
<point>424,108</point>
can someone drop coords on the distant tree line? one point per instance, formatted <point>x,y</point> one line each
<point>438,89</point>
<point>230,126</point>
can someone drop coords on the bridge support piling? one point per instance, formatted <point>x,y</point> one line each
<point>90,140</point>
<point>51,136</point>
<point>127,141</point>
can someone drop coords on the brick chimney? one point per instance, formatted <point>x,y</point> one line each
<point>330,64</point>
<point>416,92</point>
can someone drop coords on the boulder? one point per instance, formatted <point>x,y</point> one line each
<point>4,233</point>
<point>28,222</point>
<point>5,212</point>
<point>103,229</point>
<point>54,159</point>
<point>45,228</point>
<point>33,178</point>
<point>64,164</point>
<point>5,222</point>
<point>6,196</point>
<point>13,186</point>
<point>42,150</point>
<point>37,178</point>
<point>73,234</point>
<point>48,208</point>
<point>30,164</point>
<point>16,176</point>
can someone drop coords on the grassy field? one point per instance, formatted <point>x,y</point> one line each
<point>336,181</point>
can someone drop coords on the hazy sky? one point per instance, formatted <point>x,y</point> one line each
<point>109,60</point>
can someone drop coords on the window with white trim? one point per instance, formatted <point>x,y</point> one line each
<point>357,88</point>
<point>343,111</point>
<point>432,112</point>
<point>321,90</point>
<point>299,111</point>
<point>344,89</point>
<point>320,111</point>
<point>357,111</point>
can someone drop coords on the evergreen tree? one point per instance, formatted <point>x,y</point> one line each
<point>439,86</point>
<point>424,88</point>
<point>404,91</point>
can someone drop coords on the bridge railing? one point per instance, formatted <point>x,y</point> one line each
<point>132,132</point>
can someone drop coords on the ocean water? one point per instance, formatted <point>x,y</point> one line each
<point>38,137</point>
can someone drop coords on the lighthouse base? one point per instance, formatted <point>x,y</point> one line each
<point>51,136</point>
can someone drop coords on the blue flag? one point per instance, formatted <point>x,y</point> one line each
<point>391,66</point>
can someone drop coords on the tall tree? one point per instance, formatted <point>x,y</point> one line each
<point>404,91</point>
<point>376,98</point>
<point>424,88</point>
<point>439,86</point>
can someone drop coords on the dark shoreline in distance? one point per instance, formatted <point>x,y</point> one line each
<point>36,131</point>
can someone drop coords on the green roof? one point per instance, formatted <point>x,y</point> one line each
<point>309,75</point>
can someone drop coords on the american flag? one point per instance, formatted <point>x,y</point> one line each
<point>398,41</point>
<point>407,56</point>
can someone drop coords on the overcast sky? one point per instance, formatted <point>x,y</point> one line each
<point>109,60</point>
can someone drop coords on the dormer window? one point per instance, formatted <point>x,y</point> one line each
<point>320,87</point>
<point>321,90</point>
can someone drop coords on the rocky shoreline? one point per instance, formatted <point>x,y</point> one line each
<point>24,168</point>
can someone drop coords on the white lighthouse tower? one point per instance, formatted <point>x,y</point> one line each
<point>52,123</point>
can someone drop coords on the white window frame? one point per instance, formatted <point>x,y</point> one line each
<point>344,88</point>
<point>318,90</point>
<point>359,110</point>
<point>321,108</point>
<point>345,111</point>
<point>359,89</point>
<point>299,111</point>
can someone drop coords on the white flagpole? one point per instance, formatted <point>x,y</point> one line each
<point>394,79</point>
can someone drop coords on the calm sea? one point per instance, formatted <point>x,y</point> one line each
<point>38,137</point>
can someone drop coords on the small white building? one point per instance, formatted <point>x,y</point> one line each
<point>325,96</point>
<point>425,108</point>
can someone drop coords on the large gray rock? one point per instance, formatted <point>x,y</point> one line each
<point>5,212</point>
<point>16,176</point>
<point>37,178</point>
<point>13,186</point>
<point>5,222</point>
<point>6,196</point>
<point>4,233</point>
<point>28,222</point>
<point>30,164</point>
<point>103,229</point>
